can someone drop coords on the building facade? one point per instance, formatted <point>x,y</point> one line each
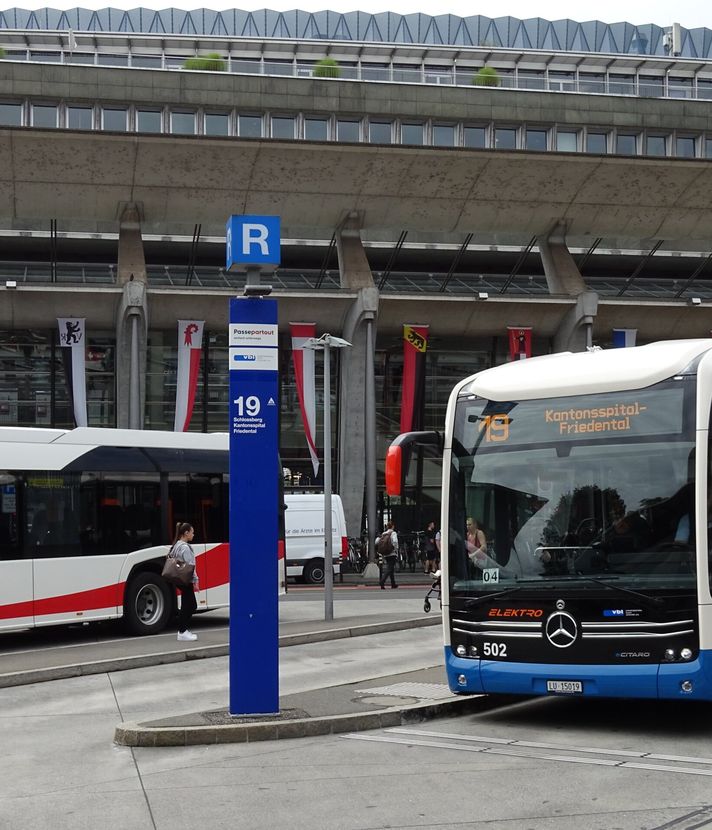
<point>469,174</point>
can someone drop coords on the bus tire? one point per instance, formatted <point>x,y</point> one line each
<point>148,604</point>
<point>313,572</point>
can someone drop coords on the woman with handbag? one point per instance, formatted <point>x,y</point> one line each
<point>183,552</point>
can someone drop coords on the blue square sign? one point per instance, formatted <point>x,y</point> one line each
<point>252,240</point>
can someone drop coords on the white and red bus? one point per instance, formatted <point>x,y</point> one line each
<point>86,517</point>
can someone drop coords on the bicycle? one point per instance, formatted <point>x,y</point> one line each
<point>358,558</point>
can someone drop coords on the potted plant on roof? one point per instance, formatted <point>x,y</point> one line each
<point>326,68</point>
<point>212,62</point>
<point>486,76</point>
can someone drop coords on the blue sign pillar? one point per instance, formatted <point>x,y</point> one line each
<point>254,478</point>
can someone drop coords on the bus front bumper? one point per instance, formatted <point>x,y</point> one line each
<point>692,679</point>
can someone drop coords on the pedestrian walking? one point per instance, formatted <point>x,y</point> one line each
<point>387,548</point>
<point>183,551</point>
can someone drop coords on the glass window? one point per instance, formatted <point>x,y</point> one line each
<point>685,146</point>
<point>412,134</point>
<point>183,123</point>
<point>79,57</point>
<point>44,115</point>
<point>444,135</point>
<point>114,119</point>
<point>505,138</point>
<point>566,141</point>
<point>562,81</point>
<point>475,137</point>
<point>656,145</point>
<point>651,86</point>
<point>708,148</point>
<point>9,525</point>
<point>316,129</point>
<point>380,132</point>
<point>11,115</point>
<point>535,139</point>
<point>146,61</point>
<point>626,144</point>
<point>679,87</point>
<point>531,79</point>
<point>621,84</point>
<point>112,60</point>
<point>46,57</point>
<point>592,82</point>
<point>148,121</point>
<point>704,88</point>
<point>282,126</point>
<point>597,143</point>
<point>347,130</point>
<point>250,126</point>
<point>80,118</point>
<point>217,123</point>
<point>252,66</point>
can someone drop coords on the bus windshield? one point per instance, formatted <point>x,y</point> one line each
<point>574,490</point>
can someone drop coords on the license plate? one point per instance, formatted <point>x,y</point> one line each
<point>564,687</point>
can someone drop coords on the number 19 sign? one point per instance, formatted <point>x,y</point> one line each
<point>254,479</point>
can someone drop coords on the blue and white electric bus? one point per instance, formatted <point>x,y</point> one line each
<point>587,475</point>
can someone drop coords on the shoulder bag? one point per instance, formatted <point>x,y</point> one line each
<point>177,573</point>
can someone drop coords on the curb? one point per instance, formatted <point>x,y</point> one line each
<point>137,735</point>
<point>25,678</point>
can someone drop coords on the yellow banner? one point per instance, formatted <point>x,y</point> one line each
<point>417,341</point>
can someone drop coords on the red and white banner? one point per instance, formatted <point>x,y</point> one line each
<point>72,339</point>
<point>190,348</point>
<point>520,342</point>
<point>304,374</point>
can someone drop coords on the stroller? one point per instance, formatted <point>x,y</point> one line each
<point>434,590</point>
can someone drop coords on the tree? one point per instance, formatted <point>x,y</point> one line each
<point>327,68</point>
<point>486,76</point>
<point>212,62</point>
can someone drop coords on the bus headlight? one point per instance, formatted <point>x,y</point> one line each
<point>474,652</point>
<point>669,653</point>
<point>461,680</point>
<point>461,651</point>
<point>686,653</point>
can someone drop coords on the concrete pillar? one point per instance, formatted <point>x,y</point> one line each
<point>131,323</point>
<point>575,332</point>
<point>357,402</point>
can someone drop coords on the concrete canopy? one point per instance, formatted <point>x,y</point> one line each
<point>83,179</point>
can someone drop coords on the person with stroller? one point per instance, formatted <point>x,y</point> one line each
<point>387,548</point>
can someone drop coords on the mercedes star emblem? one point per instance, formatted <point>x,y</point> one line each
<point>561,629</point>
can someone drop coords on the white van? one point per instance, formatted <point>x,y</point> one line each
<point>304,535</point>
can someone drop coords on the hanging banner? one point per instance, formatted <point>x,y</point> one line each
<point>520,342</point>
<point>415,344</point>
<point>304,360</point>
<point>624,337</point>
<point>190,346</point>
<point>72,339</point>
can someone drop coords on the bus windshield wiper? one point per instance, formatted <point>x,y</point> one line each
<point>644,598</point>
<point>471,603</point>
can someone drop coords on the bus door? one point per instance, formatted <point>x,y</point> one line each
<point>15,569</point>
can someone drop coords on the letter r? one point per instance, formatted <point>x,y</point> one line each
<point>254,235</point>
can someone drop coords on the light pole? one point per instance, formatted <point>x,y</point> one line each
<point>326,343</point>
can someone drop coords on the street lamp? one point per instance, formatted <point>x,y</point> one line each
<point>326,343</point>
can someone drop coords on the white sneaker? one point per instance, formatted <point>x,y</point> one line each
<point>187,635</point>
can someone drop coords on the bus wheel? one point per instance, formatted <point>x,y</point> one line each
<point>148,604</point>
<point>314,571</point>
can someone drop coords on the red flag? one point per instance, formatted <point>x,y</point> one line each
<point>520,342</point>
<point>304,373</point>
<point>415,343</point>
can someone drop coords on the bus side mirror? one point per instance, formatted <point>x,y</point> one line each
<point>399,455</point>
